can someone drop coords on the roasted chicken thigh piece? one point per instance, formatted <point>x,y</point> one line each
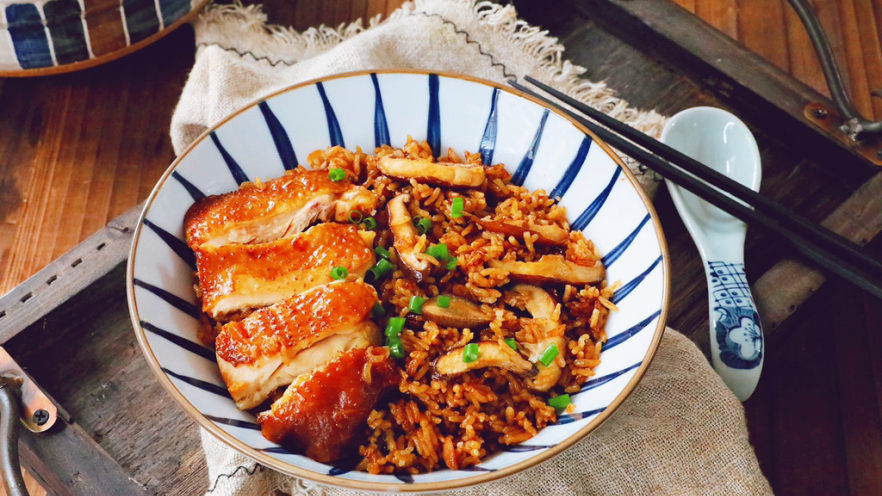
<point>275,344</point>
<point>260,212</point>
<point>322,413</point>
<point>238,277</point>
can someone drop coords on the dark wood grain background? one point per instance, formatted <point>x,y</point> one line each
<point>77,150</point>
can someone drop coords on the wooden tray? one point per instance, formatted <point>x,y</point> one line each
<point>121,433</point>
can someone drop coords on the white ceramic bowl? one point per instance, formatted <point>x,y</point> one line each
<point>540,147</point>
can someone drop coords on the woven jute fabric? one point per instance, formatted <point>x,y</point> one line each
<point>681,432</point>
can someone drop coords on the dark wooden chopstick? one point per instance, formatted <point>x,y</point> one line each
<point>814,242</point>
<point>722,182</point>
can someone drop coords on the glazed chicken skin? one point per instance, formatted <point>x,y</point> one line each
<point>260,212</point>
<point>322,413</point>
<point>275,344</point>
<point>238,277</point>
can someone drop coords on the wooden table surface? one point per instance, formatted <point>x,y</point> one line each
<point>77,150</point>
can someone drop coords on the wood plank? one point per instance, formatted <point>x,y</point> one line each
<point>375,7</point>
<point>870,55</point>
<point>808,443</point>
<point>763,93</point>
<point>721,14</point>
<point>873,314</point>
<point>392,5</point>
<point>759,29</point>
<point>689,5</point>
<point>861,422</point>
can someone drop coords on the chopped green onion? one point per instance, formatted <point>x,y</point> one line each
<point>394,327</point>
<point>451,264</point>
<point>549,354</point>
<point>439,251</point>
<point>559,402</point>
<point>443,301</point>
<point>456,207</point>
<point>393,338</point>
<point>511,343</point>
<point>378,310</point>
<point>416,304</point>
<point>355,216</point>
<point>423,225</point>
<point>382,268</point>
<point>381,252</point>
<point>369,223</point>
<point>470,353</point>
<point>397,350</point>
<point>336,174</point>
<point>339,272</point>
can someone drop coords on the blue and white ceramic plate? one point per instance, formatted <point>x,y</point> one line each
<point>540,147</point>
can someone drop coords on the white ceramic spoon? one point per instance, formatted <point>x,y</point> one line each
<point>718,139</point>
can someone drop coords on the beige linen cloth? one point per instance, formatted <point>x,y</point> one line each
<point>681,432</point>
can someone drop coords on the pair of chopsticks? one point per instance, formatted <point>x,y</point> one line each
<point>820,245</point>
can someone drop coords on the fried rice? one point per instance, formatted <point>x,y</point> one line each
<point>434,421</point>
<point>456,421</point>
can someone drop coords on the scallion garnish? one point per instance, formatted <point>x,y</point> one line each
<point>443,301</point>
<point>559,402</point>
<point>378,310</point>
<point>439,251</point>
<point>423,225</point>
<point>470,352</point>
<point>339,272</point>
<point>336,174</point>
<point>511,343</point>
<point>381,252</point>
<point>369,223</point>
<point>355,216</point>
<point>397,349</point>
<point>456,207</point>
<point>451,264</point>
<point>394,327</point>
<point>416,304</point>
<point>549,354</point>
<point>382,268</point>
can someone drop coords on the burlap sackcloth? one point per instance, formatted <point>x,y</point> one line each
<point>680,432</point>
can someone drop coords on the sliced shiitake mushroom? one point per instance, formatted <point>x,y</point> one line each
<point>536,300</point>
<point>442,173</point>
<point>490,354</point>
<point>405,237</point>
<point>460,313</point>
<point>547,235</point>
<point>541,306</point>
<point>551,268</point>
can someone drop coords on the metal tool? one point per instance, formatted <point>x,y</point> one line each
<point>854,124</point>
<point>21,401</point>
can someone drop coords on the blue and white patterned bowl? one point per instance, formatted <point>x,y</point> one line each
<point>541,148</point>
<point>41,37</point>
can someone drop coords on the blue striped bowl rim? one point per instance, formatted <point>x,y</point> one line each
<point>638,251</point>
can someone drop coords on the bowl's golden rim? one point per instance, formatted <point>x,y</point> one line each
<point>289,469</point>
